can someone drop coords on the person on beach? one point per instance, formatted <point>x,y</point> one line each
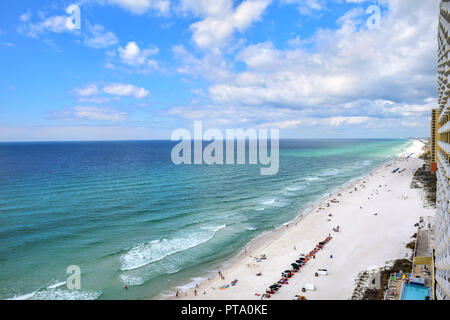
<point>195,292</point>
<point>177,294</point>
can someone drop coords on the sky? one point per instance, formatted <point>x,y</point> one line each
<point>140,69</point>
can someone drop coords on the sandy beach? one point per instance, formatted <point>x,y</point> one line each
<point>376,216</point>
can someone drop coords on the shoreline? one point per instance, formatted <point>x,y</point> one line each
<point>262,241</point>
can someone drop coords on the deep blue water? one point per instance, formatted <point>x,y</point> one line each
<point>125,214</point>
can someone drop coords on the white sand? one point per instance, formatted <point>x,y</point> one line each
<point>365,239</point>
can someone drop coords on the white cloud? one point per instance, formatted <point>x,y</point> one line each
<point>115,89</point>
<point>142,6</point>
<point>56,24</point>
<point>307,7</point>
<point>87,91</point>
<point>25,16</point>
<point>134,56</point>
<point>282,124</point>
<point>95,36</point>
<point>221,20</point>
<point>350,66</point>
<point>91,114</point>
<point>80,133</point>
<point>339,121</point>
<point>211,66</point>
<point>120,89</point>
<point>99,38</point>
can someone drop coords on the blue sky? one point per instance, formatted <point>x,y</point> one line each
<point>139,69</point>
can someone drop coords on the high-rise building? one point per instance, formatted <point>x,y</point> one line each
<point>433,139</point>
<point>442,249</point>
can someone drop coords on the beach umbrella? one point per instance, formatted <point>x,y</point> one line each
<point>295,266</point>
<point>287,271</point>
<point>274,286</point>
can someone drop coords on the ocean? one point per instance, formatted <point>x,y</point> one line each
<point>126,215</point>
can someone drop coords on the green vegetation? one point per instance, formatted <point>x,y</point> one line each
<point>411,245</point>
<point>425,179</point>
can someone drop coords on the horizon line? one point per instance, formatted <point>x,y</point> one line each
<point>165,140</point>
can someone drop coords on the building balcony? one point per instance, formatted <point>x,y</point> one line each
<point>445,128</point>
<point>444,146</point>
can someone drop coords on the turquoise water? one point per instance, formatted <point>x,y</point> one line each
<point>413,292</point>
<point>125,214</point>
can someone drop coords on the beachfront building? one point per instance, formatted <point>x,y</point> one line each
<point>433,139</point>
<point>442,232</point>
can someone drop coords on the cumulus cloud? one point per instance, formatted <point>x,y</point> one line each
<point>354,76</point>
<point>132,55</point>
<point>141,6</point>
<point>221,20</point>
<point>56,24</point>
<point>94,36</point>
<point>115,89</point>
<point>210,66</point>
<point>98,37</point>
<point>120,89</point>
<point>87,91</point>
<point>338,121</point>
<point>308,7</point>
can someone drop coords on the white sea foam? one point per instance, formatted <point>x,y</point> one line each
<point>137,277</point>
<point>364,163</point>
<point>312,178</point>
<point>57,285</point>
<point>59,294</point>
<point>157,250</point>
<point>191,284</point>
<point>131,280</point>
<point>214,228</point>
<point>250,228</point>
<point>332,172</point>
<point>26,296</point>
<point>269,202</point>
<point>295,188</point>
